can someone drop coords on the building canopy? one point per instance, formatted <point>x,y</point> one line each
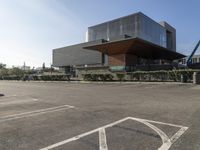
<point>135,46</point>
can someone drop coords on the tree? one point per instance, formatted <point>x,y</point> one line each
<point>2,65</point>
<point>16,71</point>
<point>3,72</point>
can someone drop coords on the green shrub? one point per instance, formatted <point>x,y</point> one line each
<point>87,77</point>
<point>162,75</point>
<point>120,76</point>
<point>12,78</point>
<point>51,77</point>
<point>108,77</point>
<point>97,77</point>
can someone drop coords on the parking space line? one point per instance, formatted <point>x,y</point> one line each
<point>8,102</point>
<point>5,97</point>
<point>82,135</point>
<point>178,134</point>
<point>35,112</point>
<point>158,122</point>
<point>167,142</point>
<point>163,136</point>
<point>10,96</point>
<point>102,139</point>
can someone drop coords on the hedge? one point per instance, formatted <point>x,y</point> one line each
<point>98,77</point>
<point>38,77</point>
<point>51,77</point>
<point>10,77</point>
<point>162,75</point>
<point>120,76</point>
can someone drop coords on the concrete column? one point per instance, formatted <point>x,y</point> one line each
<point>196,78</point>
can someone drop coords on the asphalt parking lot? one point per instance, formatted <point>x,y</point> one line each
<point>68,116</point>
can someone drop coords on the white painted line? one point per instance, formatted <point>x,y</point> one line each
<point>9,96</point>
<point>163,136</point>
<point>178,134</point>
<point>82,135</point>
<point>4,97</point>
<point>35,99</point>
<point>8,102</point>
<point>35,112</point>
<point>158,122</point>
<point>102,139</point>
<point>102,135</point>
<point>167,143</point>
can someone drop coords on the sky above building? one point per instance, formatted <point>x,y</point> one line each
<point>30,29</point>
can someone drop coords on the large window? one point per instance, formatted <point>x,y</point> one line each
<point>151,31</point>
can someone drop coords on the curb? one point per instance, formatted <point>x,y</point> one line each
<point>96,82</point>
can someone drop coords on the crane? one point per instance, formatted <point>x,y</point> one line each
<point>189,61</point>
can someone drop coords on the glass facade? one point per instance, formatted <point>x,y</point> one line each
<point>151,31</point>
<point>169,40</point>
<point>135,25</point>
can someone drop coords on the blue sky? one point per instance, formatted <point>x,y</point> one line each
<point>30,29</point>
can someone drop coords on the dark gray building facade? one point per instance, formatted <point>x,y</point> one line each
<point>75,55</point>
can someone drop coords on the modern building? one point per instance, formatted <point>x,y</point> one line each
<point>121,44</point>
<point>195,59</point>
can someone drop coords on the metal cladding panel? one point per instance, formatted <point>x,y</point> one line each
<point>114,29</point>
<point>135,25</point>
<point>98,32</point>
<point>75,55</point>
<point>129,25</point>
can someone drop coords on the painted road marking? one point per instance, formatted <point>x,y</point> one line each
<point>8,102</point>
<point>9,96</point>
<point>4,97</point>
<point>35,112</point>
<point>167,142</point>
<point>35,99</point>
<point>102,139</point>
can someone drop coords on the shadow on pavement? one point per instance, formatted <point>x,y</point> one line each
<point>1,94</point>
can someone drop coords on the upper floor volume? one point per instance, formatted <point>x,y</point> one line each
<point>136,25</point>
